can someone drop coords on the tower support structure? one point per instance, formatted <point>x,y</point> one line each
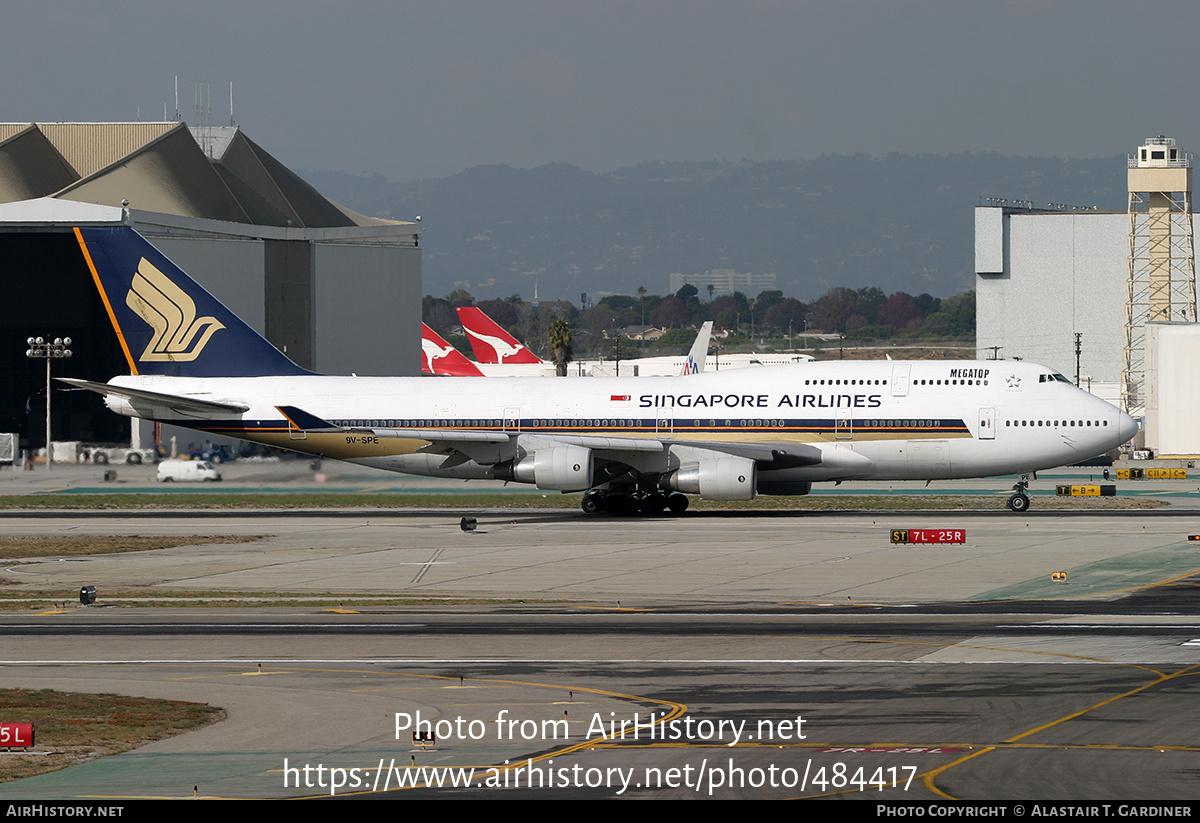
<point>1161,271</point>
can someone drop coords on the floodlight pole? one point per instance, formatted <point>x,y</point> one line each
<point>48,350</point>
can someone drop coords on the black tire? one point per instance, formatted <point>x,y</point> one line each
<point>1018,503</point>
<point>653,504</point>
<point>621,505</point>
<point>100,459</point>
<point>591,504</point>
<point>677,503</point>
<point>168,480</point>
<point>133,459</point>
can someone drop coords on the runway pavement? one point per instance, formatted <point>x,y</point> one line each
<point>567,557</point>
<point>931,670</point>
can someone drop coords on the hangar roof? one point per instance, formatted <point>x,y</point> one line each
<point>211,172</point>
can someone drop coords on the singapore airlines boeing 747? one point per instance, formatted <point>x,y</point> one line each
<point>630,444</point>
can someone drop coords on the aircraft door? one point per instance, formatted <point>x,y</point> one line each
<point>512,421</point>
<point>664,420</point>
<point>900,373</point>
<point>843,427</point>
<point>987,424</point>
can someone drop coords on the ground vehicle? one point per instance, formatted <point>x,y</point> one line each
<point>103,455</point>
<point>187,471</point>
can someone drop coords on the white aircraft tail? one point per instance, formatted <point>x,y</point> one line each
<point>699,351</point>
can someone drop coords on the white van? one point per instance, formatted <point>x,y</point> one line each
<point>187,471</point>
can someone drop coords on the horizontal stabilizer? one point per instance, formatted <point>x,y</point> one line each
<point>178,403</point>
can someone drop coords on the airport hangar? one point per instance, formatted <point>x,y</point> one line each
<point>339,292</point>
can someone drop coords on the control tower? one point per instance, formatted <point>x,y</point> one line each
<point>1161,282</point>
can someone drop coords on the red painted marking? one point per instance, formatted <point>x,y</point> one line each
<point>16,735</point>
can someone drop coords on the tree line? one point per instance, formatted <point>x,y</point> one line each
<point>769,319</point>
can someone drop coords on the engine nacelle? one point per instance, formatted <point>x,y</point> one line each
<point>119,404</point>
<point>786,487</point>
<point>722,478</point>
<point>562,468</point>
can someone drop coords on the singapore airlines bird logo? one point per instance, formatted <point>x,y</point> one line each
<point>178,334</point>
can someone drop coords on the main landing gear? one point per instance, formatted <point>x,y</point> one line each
<point>625,504</point>
<point>1019,502</point>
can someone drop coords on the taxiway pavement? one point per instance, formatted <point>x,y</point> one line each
<point>961,666</point>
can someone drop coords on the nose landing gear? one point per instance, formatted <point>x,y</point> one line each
<point>1019,502</point>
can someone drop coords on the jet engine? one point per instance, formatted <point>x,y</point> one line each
<point>563,468</point>
<point>721,478</point>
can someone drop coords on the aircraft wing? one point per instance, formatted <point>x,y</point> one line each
<point>311,423</point>
<point>779,455</point>
<point>784,455</point>
<point>181,404</point>
<point>776,455</point>
<point>304,421</point>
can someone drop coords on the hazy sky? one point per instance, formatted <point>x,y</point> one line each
<point>428,89</point>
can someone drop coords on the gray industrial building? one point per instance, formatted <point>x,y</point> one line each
<point>337,291</point>
<point>1043,276</point>
<point>1108,296</point>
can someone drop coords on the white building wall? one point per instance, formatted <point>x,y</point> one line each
<point>1172,388</point>
<point>1060,273</point>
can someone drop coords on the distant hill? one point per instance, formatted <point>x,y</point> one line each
<point>901,222</point>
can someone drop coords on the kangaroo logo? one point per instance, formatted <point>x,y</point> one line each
<point>502,349</point>
<point>168,310</point>
<point>432,352</point>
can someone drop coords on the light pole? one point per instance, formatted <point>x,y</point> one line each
<point>48,350</point>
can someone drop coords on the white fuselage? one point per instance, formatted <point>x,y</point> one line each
<point>881,420</point>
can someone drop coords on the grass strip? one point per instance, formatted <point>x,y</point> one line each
<point>72,728</point>
<point>20,548</point>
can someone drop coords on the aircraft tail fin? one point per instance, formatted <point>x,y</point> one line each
<point>699,351</point>
<point>490,342</point>
<point>439,357</point>
<point>165,321</point>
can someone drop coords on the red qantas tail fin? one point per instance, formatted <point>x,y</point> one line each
<point>490,342</point>
<point>439,357</point>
